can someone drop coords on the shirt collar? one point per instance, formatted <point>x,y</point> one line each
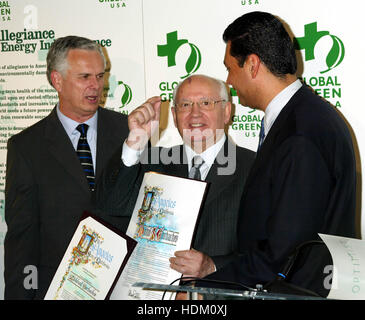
<point>278,103</point>
<point>208,155</point>
<point>70,125</point>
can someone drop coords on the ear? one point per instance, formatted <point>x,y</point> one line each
<point>227,112</point>
<point>57,80</point>
<point>253,63</point>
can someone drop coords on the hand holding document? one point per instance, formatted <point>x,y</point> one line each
<point>192,263</point>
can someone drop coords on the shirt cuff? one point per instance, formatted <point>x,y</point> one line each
<point>130,156</point>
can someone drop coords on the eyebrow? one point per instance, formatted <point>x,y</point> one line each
<point>200,99</point>
<point>88,73</point>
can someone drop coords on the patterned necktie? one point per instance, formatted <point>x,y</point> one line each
<point>197,162</point>
<point>84,154</point>
<point>262,134</point>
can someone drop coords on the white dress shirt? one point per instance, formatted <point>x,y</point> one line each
<point>208,156</point>
<point>131,156</point>
<point>278,103</point>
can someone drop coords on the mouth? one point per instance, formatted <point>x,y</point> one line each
<point>197,125</point>
<point>92,99</point>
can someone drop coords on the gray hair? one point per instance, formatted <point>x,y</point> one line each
<point>223,92</point>
<point>57,54</point>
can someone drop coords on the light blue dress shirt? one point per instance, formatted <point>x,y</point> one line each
<point>74,135</point>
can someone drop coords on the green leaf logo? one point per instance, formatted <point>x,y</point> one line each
<point>193,62</point>
<point>309,41</point>
<point>336,54</point>
<point>127,95</point>
<point>169,50</point>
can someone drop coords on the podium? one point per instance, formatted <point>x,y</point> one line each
<point>222,294</point>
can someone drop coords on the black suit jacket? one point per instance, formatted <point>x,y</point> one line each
<point>302,183</point>
<point>45,195</point>
<point>215,232</point>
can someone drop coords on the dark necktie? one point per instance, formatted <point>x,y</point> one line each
<point>197,162</point>
<point>84,154</point>
<point>262,134</point>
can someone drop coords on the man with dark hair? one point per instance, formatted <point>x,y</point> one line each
<point>266,37</point>
<point>53,167</point>
<point>303,179</point>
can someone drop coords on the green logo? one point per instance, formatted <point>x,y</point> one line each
<point>114,4</point>
<point>169,50</point>
<point>249,2</point>
<point>127,94</point>
<point>309,41</point>
<point>5,11</point>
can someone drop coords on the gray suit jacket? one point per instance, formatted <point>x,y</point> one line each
<point>216,228</point>
<point>46,193</point>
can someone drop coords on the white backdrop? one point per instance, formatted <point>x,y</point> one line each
<point>152,45</point>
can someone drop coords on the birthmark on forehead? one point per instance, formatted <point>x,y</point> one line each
<point>195,78</point>
<point>189,80</point>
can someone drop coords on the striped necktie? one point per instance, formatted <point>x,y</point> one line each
<point>84,154</point>
<point>194,173</point>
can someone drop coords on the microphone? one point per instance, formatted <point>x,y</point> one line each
<point>292,258</point>
<point>279,285</point>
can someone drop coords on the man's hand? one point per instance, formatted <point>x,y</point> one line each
<point>192,263</point>
<point>143,122</point>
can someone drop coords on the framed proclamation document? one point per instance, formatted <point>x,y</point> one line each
<point>92,263</point>
<point>163,221</point>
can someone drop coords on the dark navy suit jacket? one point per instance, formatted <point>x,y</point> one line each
<point>302,183</point>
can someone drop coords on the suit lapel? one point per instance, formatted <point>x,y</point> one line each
<point>179,169</point>
<point>60,146</point>
<point>105,142</point>
<point>219,182</point>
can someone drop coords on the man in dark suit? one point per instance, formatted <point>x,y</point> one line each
<point>303,179</point>
<point>47,189</point>
<point>201,111</point>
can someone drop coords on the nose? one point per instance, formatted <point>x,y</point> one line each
<point>96,82</point>
<point>195,110</point>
